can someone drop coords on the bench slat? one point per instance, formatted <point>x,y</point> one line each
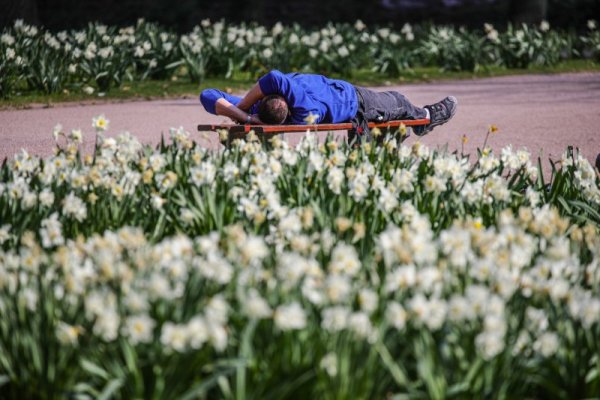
<point>275,129</point>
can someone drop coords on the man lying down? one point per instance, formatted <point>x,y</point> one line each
<point>295,98</point>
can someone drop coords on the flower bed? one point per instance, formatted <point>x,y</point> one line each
<point>312,272</point>
<point>100,57</point>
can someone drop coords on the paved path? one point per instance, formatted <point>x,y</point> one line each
<point>544,113</point>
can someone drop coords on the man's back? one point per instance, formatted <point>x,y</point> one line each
<point>331,100</point>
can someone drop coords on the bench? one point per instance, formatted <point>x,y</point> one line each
<point>235,131</point>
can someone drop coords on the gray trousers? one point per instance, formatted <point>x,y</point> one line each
<point>380,107</point>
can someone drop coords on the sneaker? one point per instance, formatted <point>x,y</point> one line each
<point>439,113</point>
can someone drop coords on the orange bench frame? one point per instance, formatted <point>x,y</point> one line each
<point>236,131</point>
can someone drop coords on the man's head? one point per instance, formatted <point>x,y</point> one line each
<point>273,110</point>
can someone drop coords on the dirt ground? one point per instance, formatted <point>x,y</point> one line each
<point>544,113</point>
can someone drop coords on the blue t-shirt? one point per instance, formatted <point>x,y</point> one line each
<point>330,100</point>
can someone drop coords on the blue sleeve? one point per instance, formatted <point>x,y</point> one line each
<point>275,82</point>
<point>209,97</point>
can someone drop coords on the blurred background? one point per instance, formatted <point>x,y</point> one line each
<point>182,15</point>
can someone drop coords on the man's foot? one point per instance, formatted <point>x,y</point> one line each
<point>439,113</point>
<point>598,162</point>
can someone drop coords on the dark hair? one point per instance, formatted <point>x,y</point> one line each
<point>273,110</point>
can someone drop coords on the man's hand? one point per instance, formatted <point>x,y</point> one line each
<point>254,120</point>
<point>251,119</point>
<point>239,113</point>
<point>224,107</point>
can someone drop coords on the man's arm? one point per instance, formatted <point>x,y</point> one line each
<point>220,103</point>
<point>255,94</point>
<point>224,107</point>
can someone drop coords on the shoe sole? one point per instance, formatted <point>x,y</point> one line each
<point>430,127</point>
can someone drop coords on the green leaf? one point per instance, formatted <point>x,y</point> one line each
<point>174,64</point>
<point>565,204</point>
<point>245,354</point>
<point>130,357</point>
<point>457,389</point>
<point>201,389</point>
<point>225,387</point>
<point>85,390</point>
<point>110,389</point>
<point>473,372</point>
<point>587,208</point>
<point>397,373</point>
<point>94,369</point>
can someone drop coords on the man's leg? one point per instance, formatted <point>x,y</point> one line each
<point>439,113</point>
<point>387,106</point>
<point>379,107</point>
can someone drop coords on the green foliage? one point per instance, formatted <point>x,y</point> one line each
<point>523,46</point>
<point>591,42</point>
<point>324,271</point>
<point>156,54</point>
<point>194,58</point>
<point>101,57</point>
<point>455,50</point>
<point>37,59</point>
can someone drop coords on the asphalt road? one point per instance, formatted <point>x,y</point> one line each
<point>544,113</point>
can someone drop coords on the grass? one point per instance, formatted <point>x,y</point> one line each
<point>140,90</point>
<point>181,87</point>
<point>429,74</point>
